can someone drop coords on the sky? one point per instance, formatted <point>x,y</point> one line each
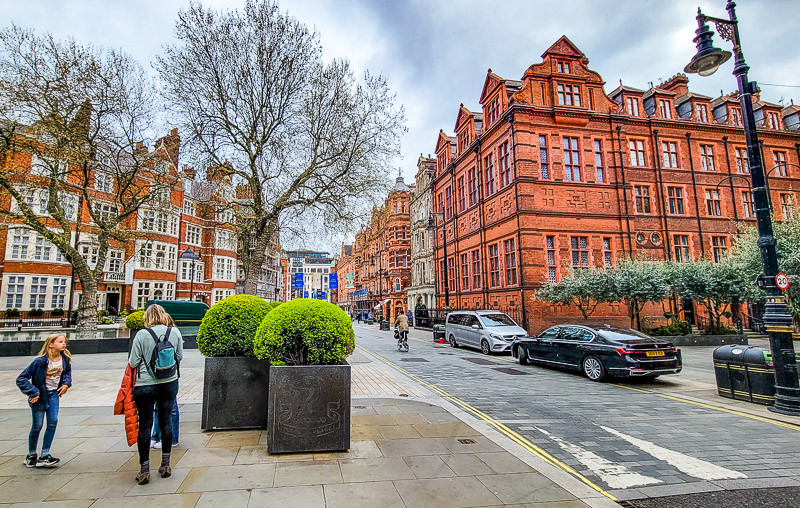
<point>435,54</point>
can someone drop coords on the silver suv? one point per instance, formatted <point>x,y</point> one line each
<point>490,331</point>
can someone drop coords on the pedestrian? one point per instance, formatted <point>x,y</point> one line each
<point>359,318</point>
<point>410,318</point>
<point>175,422</point>
<point>47,378</point>
<point>156,353</point>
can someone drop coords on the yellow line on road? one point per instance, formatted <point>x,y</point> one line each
<point>779,423</point>
<point>514,436</point>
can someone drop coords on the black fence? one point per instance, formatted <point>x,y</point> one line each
<point>425,319</point>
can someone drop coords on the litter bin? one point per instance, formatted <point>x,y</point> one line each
<point>438,333</point>
<point>384,324</point>
<point>745,373</point>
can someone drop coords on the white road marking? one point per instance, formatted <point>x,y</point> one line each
<point>616,476</point>
<point>682,462</point>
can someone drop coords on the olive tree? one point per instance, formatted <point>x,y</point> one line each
<point>637,283</point>
<point>72,167</point>
<point>309,143</point>
<point>585,289</point>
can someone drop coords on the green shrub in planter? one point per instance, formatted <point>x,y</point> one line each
<point>36,313</point>
<point>12,313</point>
<point>230,324</point>
<point>305,332</point>
<point>135,320</point>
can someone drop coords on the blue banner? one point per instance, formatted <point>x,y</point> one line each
<point>322,295</point>
<point>334,281</point>
<point>298,280</point>
<point>305,294</point>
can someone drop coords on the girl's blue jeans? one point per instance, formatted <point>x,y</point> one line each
<point>176,423</point>
<point>38,420</point>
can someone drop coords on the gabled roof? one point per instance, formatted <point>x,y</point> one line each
<point>463,115</point>
<point>624,88</point>
<point>790,110</point>
<point>564,47</point>
<point>491,82</point>
<point>654,91</point>
<point>443,141</point>
<point>691,95</point>
<point>723,99</point>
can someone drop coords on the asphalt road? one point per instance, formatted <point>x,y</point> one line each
<point>619,436</point>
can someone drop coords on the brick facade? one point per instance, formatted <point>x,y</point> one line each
<point>555,171</point>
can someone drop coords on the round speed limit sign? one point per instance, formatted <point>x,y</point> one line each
<point>782,281</point>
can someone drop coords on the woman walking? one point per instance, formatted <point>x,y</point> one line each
<point>155,354</point>
<point>47,378</point>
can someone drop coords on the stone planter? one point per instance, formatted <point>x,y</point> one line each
<point>235,393</point>
<point>704,340</point>
<point>309,408</point>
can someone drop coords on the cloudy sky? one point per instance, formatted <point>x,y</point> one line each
<point>435,54</point>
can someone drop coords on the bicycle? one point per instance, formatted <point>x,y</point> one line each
<point>402,340</point>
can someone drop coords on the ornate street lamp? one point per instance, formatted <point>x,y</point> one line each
<point>777,318</point>
<point>194,256</point>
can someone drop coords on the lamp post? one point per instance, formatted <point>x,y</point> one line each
<point>777,318</point>
<point>432,227</point>
<point>194,256</point>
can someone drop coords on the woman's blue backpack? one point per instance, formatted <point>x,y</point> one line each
<point>162,363</point>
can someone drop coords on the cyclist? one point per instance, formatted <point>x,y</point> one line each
<point>401,325</point>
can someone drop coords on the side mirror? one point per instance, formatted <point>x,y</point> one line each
<point>476,327</point>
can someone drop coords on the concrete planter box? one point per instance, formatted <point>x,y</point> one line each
<point>309,408</point>
<point>704,340</point>
<point>235,393</point>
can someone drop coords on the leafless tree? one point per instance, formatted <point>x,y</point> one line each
<point>72,166</point>
<point>309,142</point>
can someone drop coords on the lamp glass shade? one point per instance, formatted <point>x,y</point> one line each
<point>707,64</point>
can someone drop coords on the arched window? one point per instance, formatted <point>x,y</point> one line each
<point>397,284</point>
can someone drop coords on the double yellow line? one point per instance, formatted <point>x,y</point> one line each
<point>514,436</point>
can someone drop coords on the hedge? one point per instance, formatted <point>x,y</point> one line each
<point>230,324</point>
<point>305,332</point>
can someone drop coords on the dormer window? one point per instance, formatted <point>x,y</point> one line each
<point>773,120</point>
<point>665,109</point>
<point>632,105</point>
<point>563,67</point>
<point>569,95</point>
<point>736,117</point>
<point>702,112</point>
<point>493,111</point>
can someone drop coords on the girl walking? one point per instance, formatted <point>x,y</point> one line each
<point>154,389</point>
<point>47,378</point>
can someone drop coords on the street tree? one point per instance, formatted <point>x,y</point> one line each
<point>585,289</point>
<point>714,285</point>
<point>72,168</point>
<point>636,283</point>
<point>746,257</point>
<point>308,142</point>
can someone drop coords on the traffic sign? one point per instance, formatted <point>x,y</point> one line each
<point>782,281</point>
<point>333,282</point>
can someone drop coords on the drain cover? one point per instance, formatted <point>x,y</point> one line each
<point>467,441</point>
<point>513,372</point>
<point>418,360</point>
<point>480,361</point>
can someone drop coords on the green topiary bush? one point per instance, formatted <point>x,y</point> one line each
<point>135,320</point>
<point>305,332</point>
<point>230,324</point>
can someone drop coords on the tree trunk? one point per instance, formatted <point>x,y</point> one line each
<point>252,269</point>
<point>87,308</point>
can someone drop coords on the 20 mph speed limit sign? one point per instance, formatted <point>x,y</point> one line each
<point>782,281</point>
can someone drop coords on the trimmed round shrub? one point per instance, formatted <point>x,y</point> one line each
<point>305,332</point>
<point>230,324</point>
<point>135,320</point>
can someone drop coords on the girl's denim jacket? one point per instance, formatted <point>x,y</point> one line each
<point>32,380</point>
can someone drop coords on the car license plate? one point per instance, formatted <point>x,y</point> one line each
<point>654,353</point>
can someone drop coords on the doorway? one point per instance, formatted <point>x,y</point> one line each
<point>688,310</point>
<point>112,303</point>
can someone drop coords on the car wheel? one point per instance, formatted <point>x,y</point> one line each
<point>523,356</point>
<point>594,368</point>
<point>485,349</point>
<point>453,342</point>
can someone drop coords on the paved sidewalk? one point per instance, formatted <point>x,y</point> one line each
<point>409,449</point>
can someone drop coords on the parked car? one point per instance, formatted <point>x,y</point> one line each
<point>490,331</point>
<point>600,351</point>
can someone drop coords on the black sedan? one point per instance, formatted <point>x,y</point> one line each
<point>600,351</point>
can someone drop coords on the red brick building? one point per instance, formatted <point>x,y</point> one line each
<point>379,259</point>
<point>193,215</point>
<point>553,170</point>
